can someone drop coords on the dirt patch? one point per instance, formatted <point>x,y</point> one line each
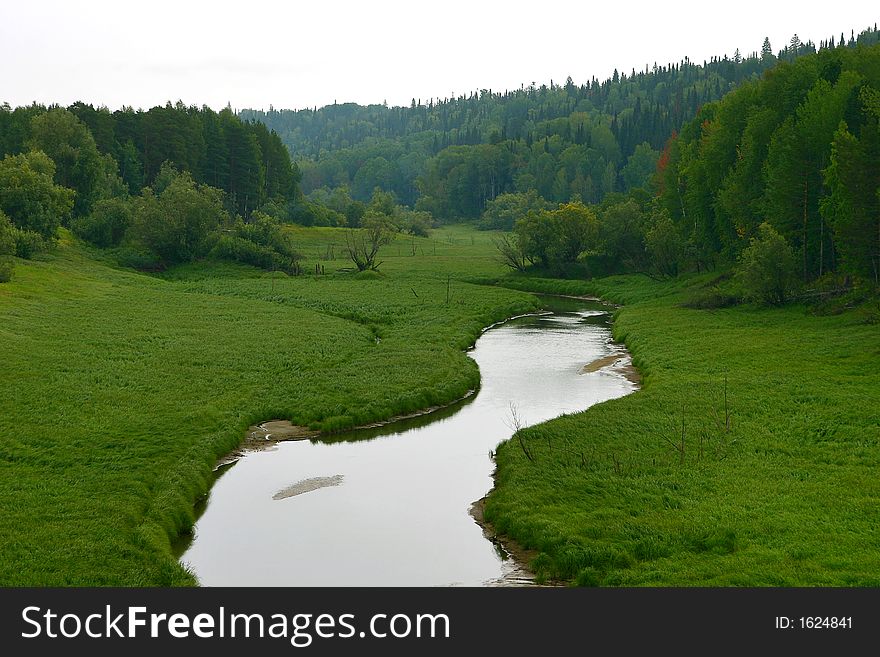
<point>265,436</point>
<point>515,570</point>
<point>277,430</point>
<point>307,486</point>
<point>599,363</point>
<point>629,371</point>
<point>619,362</point>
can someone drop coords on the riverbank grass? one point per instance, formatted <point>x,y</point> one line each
<point>749,458</point>
<point>119,390</point>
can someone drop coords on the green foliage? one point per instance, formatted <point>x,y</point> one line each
<point>136,256</point>
<point>29,243</point>
<point>135,385</point>
<point>782,495</point>
<point>245,160</point>
<point>851,211</point>
<point>556,238</point>
<point>622,233</point>
<point>640,166</point>
<point>7,248</point>
<point>664,245</point>
<point>28,195</point>
<point>261,243</point>
<point>346,211</point>
<point>362,244</point>
<point>382,203</point>
<point>452,156</point>
<point>504,210</point>
<point>107,224</point>
<point>176,224</point>
<point>418,223</point>
<point>767,270</point>
<point>799,150</point>
<point>78,165</point>
<point>307,213</point>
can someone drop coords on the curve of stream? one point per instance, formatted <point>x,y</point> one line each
<point>389,506</point>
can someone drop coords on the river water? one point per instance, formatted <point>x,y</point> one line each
<point>390,506</point>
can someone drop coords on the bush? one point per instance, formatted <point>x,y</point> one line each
<point>107,223</point>
<point>665,246</point>
<point>307,213</point>
<point>504,210</point>
<point>767,271</point>
<point>261,243</point>
<point>28,195</point>
<point>418,223</point>
<point>176,224</point>
<point>7,248</point>
<point>554,239</point>
<point>28,244</point>
<point>6,268</point>
<point>238,249</point>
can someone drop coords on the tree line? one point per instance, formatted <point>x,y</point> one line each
<point>799,150</point>
<point>780,178</point>
<point>452,156</point>
<point>163,186</point>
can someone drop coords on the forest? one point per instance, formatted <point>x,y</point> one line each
<point>114,178</point>
<point>170,277</point>
<point>799,150</point>
<point>659,171</point>
<point>781,178</point>
<point>451,156</point>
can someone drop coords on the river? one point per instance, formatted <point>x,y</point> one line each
<point>390,506</point>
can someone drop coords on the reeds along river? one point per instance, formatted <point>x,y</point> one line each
<point>389,506</point>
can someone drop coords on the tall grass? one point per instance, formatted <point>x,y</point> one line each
<point>749,457</point>
<point>118,391</point>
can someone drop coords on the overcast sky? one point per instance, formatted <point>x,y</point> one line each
<point>256,53</point>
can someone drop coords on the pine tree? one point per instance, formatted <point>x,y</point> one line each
<point>767,51</point>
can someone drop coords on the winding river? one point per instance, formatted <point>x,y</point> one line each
<point>390,506</point>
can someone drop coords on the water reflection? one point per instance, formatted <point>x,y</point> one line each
<point>396,510</point>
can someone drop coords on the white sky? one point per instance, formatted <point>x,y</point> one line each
<point>253,53</point>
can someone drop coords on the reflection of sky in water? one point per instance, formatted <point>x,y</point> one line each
<point>400,517</point>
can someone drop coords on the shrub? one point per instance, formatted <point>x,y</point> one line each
<point>261,243</point>
<point>556,238</point>
<point>6,268</point>
<point>767,270</point>
<point>711,299</point>
<point>7,248</point>
<point>504,210</point>
<point>106,225</point>
<point>417,222</point>
<point>28,244</point>
<point>28,195</point>
<point>665,246</point>
<point>176,224</point>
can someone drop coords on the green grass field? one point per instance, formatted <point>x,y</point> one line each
<point>119,390</point>
<point>784,494</point>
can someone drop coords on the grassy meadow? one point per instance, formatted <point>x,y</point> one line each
<point>119,390</point>
<point>776,487</point>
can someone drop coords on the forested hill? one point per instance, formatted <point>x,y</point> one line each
<point>454,155</point>
<point>95,151</point>
<point>800,150</point>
